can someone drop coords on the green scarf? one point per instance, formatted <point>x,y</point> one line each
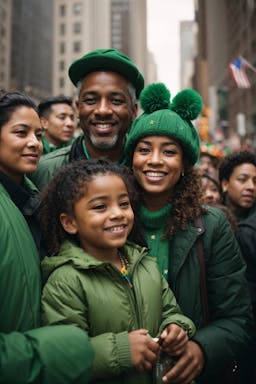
<point>154,226</point>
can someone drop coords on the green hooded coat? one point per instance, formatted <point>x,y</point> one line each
<point>95,295</point>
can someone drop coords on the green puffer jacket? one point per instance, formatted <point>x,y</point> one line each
<point>231,325</point>
<point>20,283</point>
<point>94,295</point>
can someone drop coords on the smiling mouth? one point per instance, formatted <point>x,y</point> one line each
<point>154,174</point>
<point>116,228</point>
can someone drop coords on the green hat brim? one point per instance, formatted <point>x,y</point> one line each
<point>110,60</point>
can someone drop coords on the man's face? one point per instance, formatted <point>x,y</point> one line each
<point>60,124</point>
<point>105,109</point>
<point>241,187</point>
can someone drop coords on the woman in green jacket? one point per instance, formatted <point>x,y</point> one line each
<point>96,280</point>
<point>162,147</point>
<point>28,354</point>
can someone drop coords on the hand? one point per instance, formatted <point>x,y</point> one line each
<point>144,350</point>
<point>187,367</point>
<point>173,340</point>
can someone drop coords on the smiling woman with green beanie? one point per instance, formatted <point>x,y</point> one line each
<point>162,147</point>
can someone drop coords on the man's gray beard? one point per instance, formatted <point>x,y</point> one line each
<point>97,143</point>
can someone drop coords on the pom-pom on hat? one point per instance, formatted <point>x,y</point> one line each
<point>108,60</point>
<point>163,118</point>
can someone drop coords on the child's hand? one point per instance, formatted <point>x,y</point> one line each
<point>173,340</point>
<point>144,350</point>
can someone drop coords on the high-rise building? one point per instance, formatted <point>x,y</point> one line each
<point>84,25</point>
<point>31,47</point>
<point>226,30</point>
<point>187,52</point>
<point>5,43</point>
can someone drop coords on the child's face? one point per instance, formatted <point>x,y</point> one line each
<point>103,218</point>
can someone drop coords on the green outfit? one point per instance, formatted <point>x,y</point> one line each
<point>49,147</point>
<point>60,355</point>
<point>230,326</point>
<point>52,162</point>
<point>47,355</point>
<point>20,268</point>
<point>82,290</point>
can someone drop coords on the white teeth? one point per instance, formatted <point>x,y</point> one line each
<point>154,174</point>
<point>113,229</point>
<point>103,126</point>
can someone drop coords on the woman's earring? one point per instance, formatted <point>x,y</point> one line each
<point>182,174</point>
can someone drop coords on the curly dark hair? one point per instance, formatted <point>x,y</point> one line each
<point>67,187</point>
<point>186,200</point>
<point>231,161</point>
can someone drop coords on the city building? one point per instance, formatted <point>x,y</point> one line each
<point>81,26</point>
<point>226,31</point>
<point>31,47</point>
<point>5,43</point>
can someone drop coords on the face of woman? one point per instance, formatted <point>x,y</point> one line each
<point>211,193</point>
<point>157,165</point>
<point>20,143</point>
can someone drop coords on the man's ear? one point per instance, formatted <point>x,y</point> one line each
<point>224,185</point>
<point>68,223</point>
<point>44,122</point>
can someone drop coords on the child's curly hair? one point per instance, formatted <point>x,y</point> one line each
<point>66,188</point>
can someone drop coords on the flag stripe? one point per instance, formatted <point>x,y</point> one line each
<point>239,75</point>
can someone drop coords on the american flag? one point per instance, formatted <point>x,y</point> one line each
<point>238,72</point>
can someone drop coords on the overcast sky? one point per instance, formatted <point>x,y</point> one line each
<point>163,37</point>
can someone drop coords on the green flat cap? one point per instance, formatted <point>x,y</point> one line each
<point>110,60</point>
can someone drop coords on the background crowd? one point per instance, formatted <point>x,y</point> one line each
<point>128,246</point>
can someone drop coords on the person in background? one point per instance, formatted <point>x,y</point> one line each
<point>237,175</point>
<point>96,279</point>
<point>58,120</point>
<point>209,159</point>
<point>162,146</point>
<point>108,84</point>
<point>212,195</point>
<point>28,354</point>
<point>211,189</point>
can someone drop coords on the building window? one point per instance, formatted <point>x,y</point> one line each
<point>77,27</point>
<point>62,10</point>
<point>62,47</point>
<point>62,29</point>
<point>61,82</point>
<point>62,65</point>
<point>77,47</point>
<point>77,8</point>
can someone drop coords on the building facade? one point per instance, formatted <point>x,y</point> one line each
<point>31,47</point>
<point>5,43</point>
<point>81,26</point>
<point>226,31</point>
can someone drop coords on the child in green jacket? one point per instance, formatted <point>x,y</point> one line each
<point>103,283</point>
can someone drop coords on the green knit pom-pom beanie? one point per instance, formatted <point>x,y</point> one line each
<point>163,118</point>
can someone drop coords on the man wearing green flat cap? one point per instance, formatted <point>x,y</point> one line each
<point>109,84</point>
